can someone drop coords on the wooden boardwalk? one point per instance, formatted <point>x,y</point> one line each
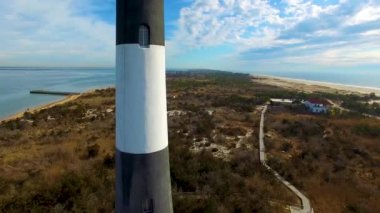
<point>306,207</point>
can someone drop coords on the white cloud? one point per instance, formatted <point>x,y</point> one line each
<point>366,14</point>
<point>214,22</point>
<point>329,32</point>
<point>249,23</point>
<point>371,33</point>
<point>291,31</point>
<point>45,32</point>
<point>338,57</point>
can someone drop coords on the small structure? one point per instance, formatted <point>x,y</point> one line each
<point>317,105</point>
<point>278,102</point>
<point>46,92</point>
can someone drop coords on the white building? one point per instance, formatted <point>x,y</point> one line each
<point>317,105</point>
<point>276,101</point>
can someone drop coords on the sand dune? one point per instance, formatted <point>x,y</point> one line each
<point>313,86</point>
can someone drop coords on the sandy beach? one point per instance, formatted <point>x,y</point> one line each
<point>313,86</point>
<point>288,83</point>
<point>41,107</point>
<point>61,101</point>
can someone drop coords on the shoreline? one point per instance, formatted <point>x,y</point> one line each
<point>284,82</point>
<point>313,86</point>
<point>41,107</point>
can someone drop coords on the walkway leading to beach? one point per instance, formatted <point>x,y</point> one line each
<point>306,207</point>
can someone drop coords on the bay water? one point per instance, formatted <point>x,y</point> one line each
<point>16,83</point>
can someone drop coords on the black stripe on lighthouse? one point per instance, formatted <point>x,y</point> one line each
<point>142,156</point>
<point>131,14</point>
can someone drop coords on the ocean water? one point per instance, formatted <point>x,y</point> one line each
<point>355,78</point>
<point>15,84</point>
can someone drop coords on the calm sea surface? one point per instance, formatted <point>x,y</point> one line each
<point>15,84</point>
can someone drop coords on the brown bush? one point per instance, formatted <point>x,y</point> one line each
<point>92,150</point>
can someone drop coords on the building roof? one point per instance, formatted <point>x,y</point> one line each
<point>318,101</point>
<point>276,100</point>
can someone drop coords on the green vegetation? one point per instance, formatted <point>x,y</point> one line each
<point>354,102</point>
<point>333,159</point>
<point>366,129</point>
<point>217,186</point>
<point>371,109</point>
<point>61,159</point>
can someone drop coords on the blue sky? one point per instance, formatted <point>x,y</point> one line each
<point>238,35</point>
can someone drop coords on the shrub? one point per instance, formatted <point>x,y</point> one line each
<point>244,163</point>
<point>366,130</point>
<point>233,131</point>
<point>353,208</point>
<point>109,161</point>
<point>286,146</point>
<point>92,150</point>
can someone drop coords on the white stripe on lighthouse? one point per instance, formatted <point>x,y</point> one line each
<point>141,99</point>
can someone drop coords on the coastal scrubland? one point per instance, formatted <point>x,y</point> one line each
<point>333,158</point>
<point>61,158</point>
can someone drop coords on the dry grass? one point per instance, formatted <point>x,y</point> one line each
<point>334,160</point>
<point>63,161</point>
<point>66,163</point>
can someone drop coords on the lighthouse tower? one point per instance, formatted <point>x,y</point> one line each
<point>142,157</point>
